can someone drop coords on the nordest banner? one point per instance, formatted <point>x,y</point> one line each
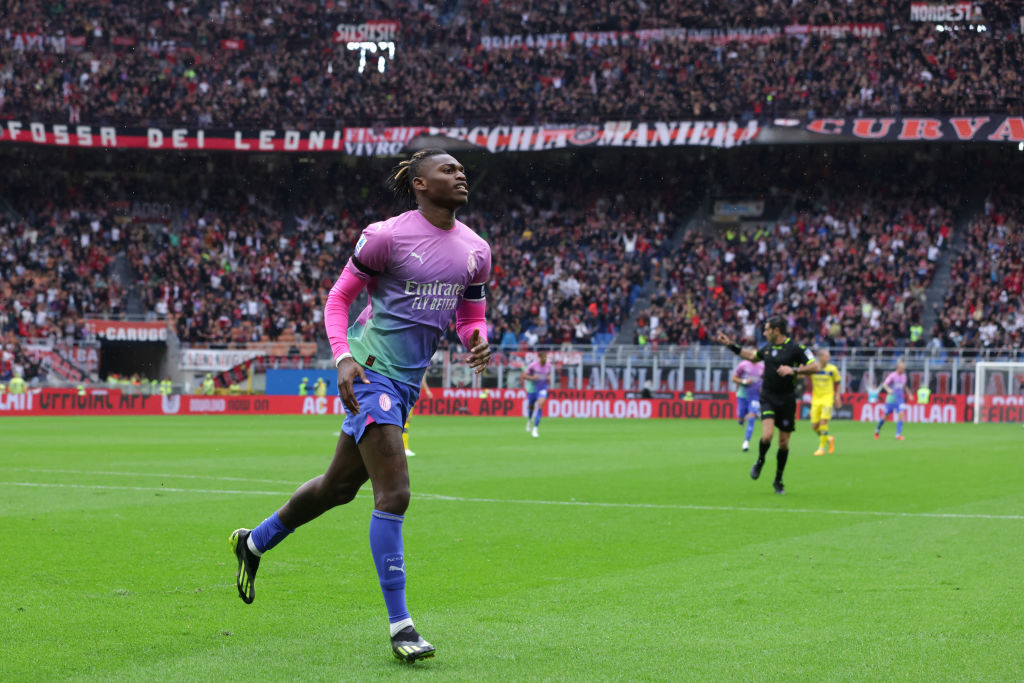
<point>943,409</point>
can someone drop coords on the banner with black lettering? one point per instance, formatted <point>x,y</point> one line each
<point>394,140</point>
<point>388,141</point>
<point>127,330</point>
<point>946,12</point>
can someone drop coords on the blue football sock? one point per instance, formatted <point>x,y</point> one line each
<point>879,427</point>
<point>269,533</point>
<point>389,557</point>
<point>899,427</point>
<point>749,432</point>
<point>536,418</point>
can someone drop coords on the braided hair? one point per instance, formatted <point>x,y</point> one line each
<point>400,179</point>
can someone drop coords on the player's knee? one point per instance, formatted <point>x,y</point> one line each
<point>344,494</point>
<point>393,500</point>
<point>339,493</point>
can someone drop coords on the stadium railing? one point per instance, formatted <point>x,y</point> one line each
<point>709,368</point>
<point>670,368</point>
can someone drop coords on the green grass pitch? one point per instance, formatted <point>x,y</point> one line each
<point>602,551</point>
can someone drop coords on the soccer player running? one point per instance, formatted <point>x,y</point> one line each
<point>421,268</point>
<point>747,376</point>
<point>895,385</point>
<point>784,360</point>
<point>536,379</point>
<point>824,396</point>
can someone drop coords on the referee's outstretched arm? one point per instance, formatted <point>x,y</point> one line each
<point>746,352</point>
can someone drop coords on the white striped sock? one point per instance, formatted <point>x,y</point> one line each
<point>399,625</point>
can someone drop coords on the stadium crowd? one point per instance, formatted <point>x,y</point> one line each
<point>567,264</point>
<point>574,242</point>
<point>277,65</point>
<point>985,304</point>
<point>850,272</point>
<point>568,276</point>
<point>55,266</point>
<point>243,263</point>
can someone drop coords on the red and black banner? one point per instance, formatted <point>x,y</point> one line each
<point>389,141</point>
<point>983,128</point>
<point>941,409</point>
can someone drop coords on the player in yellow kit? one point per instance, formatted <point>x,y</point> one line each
<point>424,389</point>
<point>824,397</point>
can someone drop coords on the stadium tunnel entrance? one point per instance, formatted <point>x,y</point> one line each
<point>146,359</point>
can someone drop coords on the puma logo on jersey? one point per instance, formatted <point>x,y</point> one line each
<point>413,253</point>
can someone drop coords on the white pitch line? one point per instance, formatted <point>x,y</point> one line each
<point>573,503</point>
<point>721,508</point>
<point>162,475</point>
<point>170,489</point>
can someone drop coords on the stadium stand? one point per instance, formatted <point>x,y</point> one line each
<point>249,259</point>
<point>985,304</point>
<point>850,273</point>
<point>233,65</point>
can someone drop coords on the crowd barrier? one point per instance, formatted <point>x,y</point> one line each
<point>942,409</point>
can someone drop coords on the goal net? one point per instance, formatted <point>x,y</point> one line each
<point>999,392</point>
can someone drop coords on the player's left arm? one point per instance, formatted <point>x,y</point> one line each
<point>471,318</point>
<point>836,382</point>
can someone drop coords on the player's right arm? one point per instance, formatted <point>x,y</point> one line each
<point>340,298</point>
<point>887,382</point>
<point>370,258</point>
<point>529,375</point>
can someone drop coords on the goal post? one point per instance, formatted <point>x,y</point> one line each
<point>999,391</point>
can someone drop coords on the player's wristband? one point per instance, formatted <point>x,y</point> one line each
<point>337,361</point>
<point>735,348</point>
